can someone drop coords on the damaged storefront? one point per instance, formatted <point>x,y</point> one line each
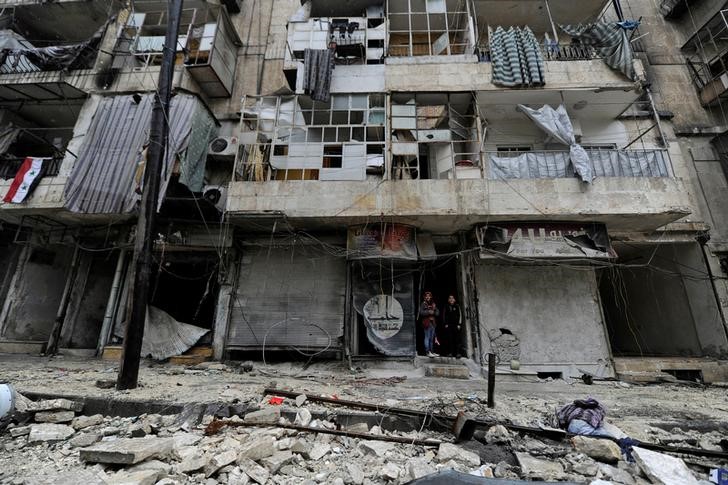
<point>538,297</point>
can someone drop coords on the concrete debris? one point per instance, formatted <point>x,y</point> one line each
<point>266,415</point>
<point>126,451</point>
<point>54,416</point>
<point>274,462</point>
<point>389,472</point>
<point>497,434</point>
<point>262,447</point>
<point>303,417</point>
<point>663,469</point>
<point>538,468</point>
<point>82,422</point>
<point>318,451</point>
<point>600,449</point>
<point>448,451</point>
<point>418,468</point>
<point>49,432</point>
<point>54,405</point>
<point>377,448</point>
<point>191,464</point>
<point>256,472</point>
<point>300,399</point>
<point>218,461</point>
<point>82,440</point>
<point>139,477</point>
<point>356,475</point>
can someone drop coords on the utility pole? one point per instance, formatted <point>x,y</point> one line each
<point>146,225</point>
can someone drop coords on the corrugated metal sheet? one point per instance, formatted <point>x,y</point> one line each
<point>102,179</point>
<point>516,58</point>
<point>288,287</point>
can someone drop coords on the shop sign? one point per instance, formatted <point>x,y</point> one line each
<point>382,241</point>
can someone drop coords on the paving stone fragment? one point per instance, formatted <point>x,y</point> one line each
<point>378,448</point>
<point>218,461</point>
<point>318,451</point>
<point>418,468</point>
<point>19,431</point>
<point>191,464</point>
<point>139,477</point>
<point>49,432</point>
<point>274,462</point>
<point>55,405</point>
<point>449,451</point>
<point>81,422</point>
<point>54,416</point>
<point>603,450</point>
<point>256,472</point>
<point>663,469</point>
<point>266,415</point>
<point>537,468</point>
<point>82,440</point>
<point>127,451</point>
<point>258,448</point>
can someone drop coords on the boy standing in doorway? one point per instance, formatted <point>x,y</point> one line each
<point>429,314</point>
<point>453,320</point>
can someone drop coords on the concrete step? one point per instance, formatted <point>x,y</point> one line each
<point>447,371</point>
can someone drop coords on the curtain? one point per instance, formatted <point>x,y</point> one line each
<point>610,40</point>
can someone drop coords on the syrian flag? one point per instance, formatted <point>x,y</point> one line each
<point>25,180</point>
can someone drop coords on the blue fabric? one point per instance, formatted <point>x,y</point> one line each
<point>429,338</point>
<point>577,426</point>
<point>629,24</point>
<point>626,444</point>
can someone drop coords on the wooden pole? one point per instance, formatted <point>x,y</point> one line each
<point>146,225</point>
<point>491,380</point>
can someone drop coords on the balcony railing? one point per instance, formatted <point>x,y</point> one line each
<point>557,52</point>
<point>9,166</point>
<point>499,165</point>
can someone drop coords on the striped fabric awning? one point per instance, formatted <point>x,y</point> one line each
<point>610,40</point>
<point>516,58</point>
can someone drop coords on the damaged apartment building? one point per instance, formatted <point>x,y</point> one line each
<point>554,165</point>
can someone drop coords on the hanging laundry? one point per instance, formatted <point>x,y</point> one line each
<point>25,180</point>
<point>516,57</point>
<point>318,65</point>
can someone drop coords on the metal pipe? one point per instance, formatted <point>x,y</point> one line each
<point>55,336</point>
<point>551,19</point>
<point>111,305</point>
<point>663,139</point>
<point>491,380</point>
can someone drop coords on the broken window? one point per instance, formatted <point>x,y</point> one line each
<point>429,27</point>
<point>295,138</point>
<point>434,136</point>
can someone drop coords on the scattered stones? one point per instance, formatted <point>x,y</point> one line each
<point>664,469</point>
<point>600,449</point>
<point>218,461</point>
<point>418,468</point>
<point>54,416</point>
<point>55,405</point>
<point>49,432</point>
<point>82,422</point>
<point>300,399</point>
<point>126,451</point>
<point>537,468</point>
<point>82,440</point>
<point>497,434</point>
<point>266,415</point>
<point>274,462</point>
<point>448,451</point>
<point>259,448</point>
<point>256,472</point>
<point>303,417</point>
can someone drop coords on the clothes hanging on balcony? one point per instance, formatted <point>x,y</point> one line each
<point>19,55</point>
<point>611,41</point>
<point>102,179</point>
<point>318,66</point>
<point>557,125</point>
<point>516,58</point>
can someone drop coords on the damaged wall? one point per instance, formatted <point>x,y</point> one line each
<point>552,314</point>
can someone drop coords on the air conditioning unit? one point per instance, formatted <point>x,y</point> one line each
<point>215,195</point>
<point>223,148</point>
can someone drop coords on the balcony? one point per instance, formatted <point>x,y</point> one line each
<point>207,39</point>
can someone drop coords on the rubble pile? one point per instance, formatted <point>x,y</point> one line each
<point>58,445</point>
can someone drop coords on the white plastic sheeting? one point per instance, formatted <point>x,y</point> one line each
<point>165,337</point>
<point>556,124</point>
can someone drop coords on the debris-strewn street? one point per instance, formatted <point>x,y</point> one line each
<point>213,423</point>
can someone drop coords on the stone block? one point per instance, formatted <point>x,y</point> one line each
<point>81,422</point>
<point>218,461</point>
<point>418,468</point>
<point>19,431</point>
<point>266,415</point>
<point>355,473</point>
<point>603,450</point>
<point>127,451</point>
<point>54,416</point>
<point>49,432</point>
<point>663,469</point>
<point>536,468</point>
<point>256,449</point>
<point>55,405</point>
<point>317,451</point>
<point>377,448</point>
<point>82,440</point>
<point>447,371</point>
<point>448,451</point>
<point>274,462</point>
<point>139,477</point>
<point>256,472</point>
<point>191,464</point>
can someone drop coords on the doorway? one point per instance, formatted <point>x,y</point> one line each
<point>439,278</point>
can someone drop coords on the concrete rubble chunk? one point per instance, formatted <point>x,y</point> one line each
<point>418,468</point>
<point>76,477</point>
<point>191,464</point>
<point>82,440</point>
<point>82,422</point>
<point>537,468</point>
<point>19,431</point>
<point>390,471</point>
<point>497,434</point>
<point>266,415</point>
<point>184,439</point>
<point>318,451</point>
<point>160,466</point>
<point>139,477</point>
<point>358,428</point>
<point>300,399</point>
<point>126,451</point>
<point>300,446</point>
<point>663,469</point>
<point>218,461</point>
<point>256,472</point>
<point>55,405</point>
<point>258,448</point>
<point>603,450</point>
<point>378,448</point>
<point>49,432</point>
<point>615,474</point>
<point>54,416</point>
<point>355,473</point>
<point>237,477</point>
<point>449,451</point>
<point>274,462</point>
<point>303,417</point>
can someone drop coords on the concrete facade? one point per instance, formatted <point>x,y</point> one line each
<point>442,113</point>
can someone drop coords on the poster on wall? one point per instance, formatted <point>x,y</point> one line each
<point>545,240</point>
<point>383,240</point>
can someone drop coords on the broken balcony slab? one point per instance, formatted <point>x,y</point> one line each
<point>126,451</point>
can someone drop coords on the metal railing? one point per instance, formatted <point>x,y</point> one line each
<point>556,52</point>
<point>605,162</point>
<point>9,166</point>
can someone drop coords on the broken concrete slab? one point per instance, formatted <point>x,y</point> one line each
<point>139,477</point>
<point>82,422</point>
<point>303,417</point>
<point>55,405</point>
<point>389,471</point>
<point>126,451</point>
<point>191,464</point>
<point>54,416</point>
<point>356,474</point>
<point>82,440</point>
<point>274,462</point>
<point>599,449</point>
<point>664,469</point>
<point>218,461</point>
<point>19,431</point>
<point>377,448</point>
<point>538,468</point>
<point>258,448</point>
<point>256,472</point>
<point>48,432</point>
<point>449,451</point>
<point>266,415</point>
<point>418,468</point>
<point>318,451</point>
<point>300,399</point>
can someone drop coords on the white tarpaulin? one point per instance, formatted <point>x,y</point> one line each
<point>165,337</point>
<point>556,124</point>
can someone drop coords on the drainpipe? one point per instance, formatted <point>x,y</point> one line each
<point>663,138</point>
<point>551,19</point>
<point>111,305</point>
<point>55,336</point>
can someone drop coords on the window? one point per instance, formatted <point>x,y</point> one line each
<point>332,156</point>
